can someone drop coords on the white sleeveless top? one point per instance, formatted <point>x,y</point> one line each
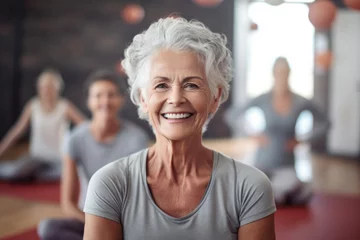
<point>48,130</point>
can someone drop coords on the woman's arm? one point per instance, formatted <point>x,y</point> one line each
<point>101,228</point>
<point>18,130</point>
<point>321,122</point>
<point>104,203</point>
<point>263,229</point>
<point>74,114</point>
<point>70,190</point>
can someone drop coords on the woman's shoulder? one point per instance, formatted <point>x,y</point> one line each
<point>243,173</point>
<point>299,98</point>
<point>301,101</point>
<point>121,167</point>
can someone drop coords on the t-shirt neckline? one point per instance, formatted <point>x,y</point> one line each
<point>158,209</point>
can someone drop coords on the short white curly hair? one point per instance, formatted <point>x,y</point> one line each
<point>57,77</point>
<point>180,35</point>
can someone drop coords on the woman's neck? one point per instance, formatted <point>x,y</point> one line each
<point>48,105</point>
<point>105,130</point>
<point>278,93</point>
<point>179,158</point>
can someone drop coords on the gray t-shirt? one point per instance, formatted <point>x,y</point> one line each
<point>90,155</point>
<point>236,195</point>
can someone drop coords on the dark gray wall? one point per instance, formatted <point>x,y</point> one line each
<point>77,37</point>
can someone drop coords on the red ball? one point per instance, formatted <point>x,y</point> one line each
<point>322,14</point>
<point>207,3</point>
<point>353,4</point>
<point>133,13</point>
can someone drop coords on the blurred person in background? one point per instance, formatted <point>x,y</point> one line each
<point>91,146</point>
<point>275,154</point>
<point>48,115</point>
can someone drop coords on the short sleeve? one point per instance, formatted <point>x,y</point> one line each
<point>256,198</point>
<point>106,191</point>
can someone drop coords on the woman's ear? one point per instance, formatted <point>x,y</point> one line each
<point>143,102</point>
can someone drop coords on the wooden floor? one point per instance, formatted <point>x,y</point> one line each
<point>327,174</point>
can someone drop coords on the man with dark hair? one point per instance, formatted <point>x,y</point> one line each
<point>92,145</point>
<point>109,76</point>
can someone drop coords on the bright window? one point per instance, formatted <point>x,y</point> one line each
<point>283,30</point>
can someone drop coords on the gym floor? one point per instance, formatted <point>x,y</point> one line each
<point>333,213</point>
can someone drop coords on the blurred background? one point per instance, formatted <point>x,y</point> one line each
<point>321,43</point>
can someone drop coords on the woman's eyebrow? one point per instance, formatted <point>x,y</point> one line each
<point>160,78</point>
<point>166,79</point>
<point>192,77</point>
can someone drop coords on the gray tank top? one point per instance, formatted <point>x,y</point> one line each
<point>237,194</point>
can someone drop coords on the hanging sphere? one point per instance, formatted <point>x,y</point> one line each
<point>353,4</point>
<point>323,60</point>
<point>274,2</point>
<point>133,13</point>
<point>253,26</point>
<point>208,3</point>
<point>322,14</point>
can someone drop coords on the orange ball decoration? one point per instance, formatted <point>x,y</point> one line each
<point>353,4</point>
<point>322,14</point>
<point>323,60</point>
<point>208,3</point>
<point>253,26</point>
<point>133,13</point>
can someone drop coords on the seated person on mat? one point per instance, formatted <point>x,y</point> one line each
<point>48,115</point>
<point>91,146</point>
<point>275,155</point>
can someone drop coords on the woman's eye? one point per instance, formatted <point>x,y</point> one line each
<point>161,85</point>
<point>191,86</point>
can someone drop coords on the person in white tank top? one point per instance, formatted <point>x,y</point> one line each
<point>49,116</point>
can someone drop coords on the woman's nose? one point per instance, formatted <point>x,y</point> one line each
<point>176,96</point>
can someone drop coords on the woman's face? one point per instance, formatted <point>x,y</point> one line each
<point>48,87</point>
<point>104,100</point>
<point>177,98</point>
<point>281,76</point>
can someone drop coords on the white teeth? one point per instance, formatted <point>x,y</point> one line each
<point>177,115</point>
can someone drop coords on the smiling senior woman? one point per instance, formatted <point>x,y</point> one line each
<point>179,73</point>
